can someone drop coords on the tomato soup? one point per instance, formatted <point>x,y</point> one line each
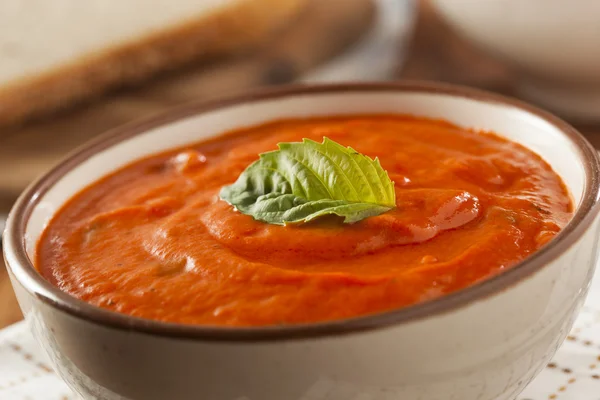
<point>154,240</point>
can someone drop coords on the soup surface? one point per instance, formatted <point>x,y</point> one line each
<point>154,240</point>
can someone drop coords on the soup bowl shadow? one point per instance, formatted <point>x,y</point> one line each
<point>484,342</point>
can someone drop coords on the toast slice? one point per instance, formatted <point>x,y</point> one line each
<point>55,53</point>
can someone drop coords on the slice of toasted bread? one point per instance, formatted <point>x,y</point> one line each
<point>59,52</point>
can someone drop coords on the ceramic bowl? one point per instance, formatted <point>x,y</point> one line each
<point>485,342</point>
<point>553,44</point>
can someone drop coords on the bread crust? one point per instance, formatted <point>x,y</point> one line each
<point>238,27</point>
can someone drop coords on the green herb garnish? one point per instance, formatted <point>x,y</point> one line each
<point>303,181</point>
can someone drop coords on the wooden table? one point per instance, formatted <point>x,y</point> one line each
<point>25,152</point>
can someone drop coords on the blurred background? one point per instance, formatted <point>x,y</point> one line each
<point>70,70</point>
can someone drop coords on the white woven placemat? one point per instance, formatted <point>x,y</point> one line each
<point>573,374</point>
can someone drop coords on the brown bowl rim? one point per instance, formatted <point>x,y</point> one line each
<point>14,239</point>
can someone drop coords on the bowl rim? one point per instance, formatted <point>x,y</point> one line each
<point>35,284</point>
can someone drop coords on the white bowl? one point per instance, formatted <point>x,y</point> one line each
<point>554,44</point>
<point>484,342</point>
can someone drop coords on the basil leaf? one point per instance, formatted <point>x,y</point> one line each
<point>303,181</point>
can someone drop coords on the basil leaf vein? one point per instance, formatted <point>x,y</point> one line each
<point>307,180</point>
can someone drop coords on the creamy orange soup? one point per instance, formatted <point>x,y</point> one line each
<point>154,240</point>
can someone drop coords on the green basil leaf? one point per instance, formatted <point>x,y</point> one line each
<point>303,181</point>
